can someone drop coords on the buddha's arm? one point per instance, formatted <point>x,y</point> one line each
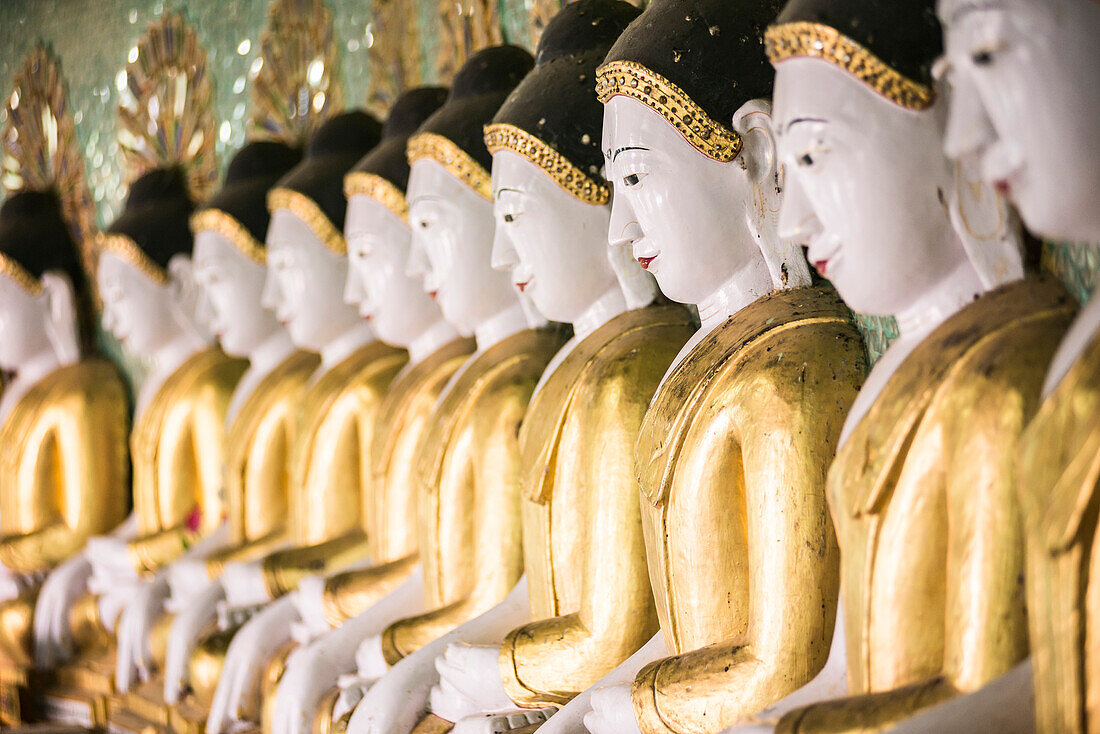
<point>870,712</point>
<point>285,568</point>
<point>351,593</point>
<point>150,552</point>
<point>549,661</point>
<point>248,550</point>
<point>787,432</point>
<point>41,549</point>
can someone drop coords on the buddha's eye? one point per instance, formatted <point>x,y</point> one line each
<point>633,180</point>
<point>982,58</point>
<point>509,218</point>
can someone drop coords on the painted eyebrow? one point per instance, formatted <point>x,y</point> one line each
<point>502,189</point>
<point>797,120</point>
<point>623,150</point>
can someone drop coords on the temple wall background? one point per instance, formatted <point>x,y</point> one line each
<point>384,45</point>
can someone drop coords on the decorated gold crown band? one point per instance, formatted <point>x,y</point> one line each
<point>458,162</point>
<point>631,79</point>
<point>820,41</point>
<point>307,210</point>
<point>128,250</point>
<point>571,178</point>
<point>16,272</point>
<point>379,189</point>
<point>215,220</point>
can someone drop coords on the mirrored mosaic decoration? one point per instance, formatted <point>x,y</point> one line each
<point>383,46</point>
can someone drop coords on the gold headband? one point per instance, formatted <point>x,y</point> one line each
<point>509,137</point>
<point>458,162</point>
<point>631,79</point>
<point>307,210</point>
<point>820,41</point>
<point>128,250</point>
<point>379,189</point>
<point>215,220</point>
<point>19,274</point>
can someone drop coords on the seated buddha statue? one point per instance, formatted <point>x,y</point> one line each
<point>1006,61</point>
<point>329,482</point>
<point>229,269</point>
<point>402,314</point>
<point>64,413</point>
<point>63,422</point>
<point>732,453</point>
<point>584,551</point>
<point>923,487</point>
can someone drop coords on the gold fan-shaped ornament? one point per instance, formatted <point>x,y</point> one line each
<point>393,51</point>
<point>465,27</point>
<point>297,86</point>
<point>41,151</point>
<point>166,116</point>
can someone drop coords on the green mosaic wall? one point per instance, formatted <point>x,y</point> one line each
<point>93,39</point>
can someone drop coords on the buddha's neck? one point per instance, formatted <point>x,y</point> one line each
<point>500,326</point>
<point>431,340</point>
<point>261,361</point>
<point>742,288</point>
<point>599,312</point>
<point>29,374</point>
<point>341,347</point>
<point>165,360</point>
<point>940,302</point>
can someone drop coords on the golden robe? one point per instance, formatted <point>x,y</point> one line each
<point>468,474</point>
<point>731,460</point>
<point>63,479</point>
<point>1059,470</point>
<point>404,422</point>
<point>331,480</point>
<point>584,553</point>
<point>923,495</point>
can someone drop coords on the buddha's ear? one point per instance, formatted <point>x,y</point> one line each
<point>186,295</point>
<point>753,122</point>
<point>62,330</point>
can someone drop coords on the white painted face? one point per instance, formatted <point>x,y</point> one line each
<point>305,283</point>
<point>866,186</point>
<point>554,245</point>
<point>452,242</point>
<point>378,251</point>
<point>23,320</point>
<point>231,284</point>
<point>138,311</point>
<point>683,213</point>
<point>1026,79</point>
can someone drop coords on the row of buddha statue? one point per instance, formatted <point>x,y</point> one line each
<point>430,439</point>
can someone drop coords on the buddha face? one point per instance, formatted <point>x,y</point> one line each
<point>554,246</point>
<point>305,283</point>
<point>377,285</point>
<point>1026,79</point>
<point>683,214</point>
<point>22,320</point>
<point>865,188</point>
<point>452,241</point>
<point>231,284</point>
<point>137,310</point>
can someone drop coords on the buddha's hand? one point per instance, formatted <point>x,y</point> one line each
<point>133,660</point>
<point>310,601</point>
<point>191,619</point>
<point>370,661</point>
<point>187,578</point>
<point>398,700</point>
<point>612,711</point>
<point>311,672</point>
<point>502,722</point>
<point>469,682</point>
<point>244,584</point>
<point>53,642</point>
<point>253,645</point>
<point>111,561</point>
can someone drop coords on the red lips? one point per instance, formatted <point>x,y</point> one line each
<point>820,265</point>
<point>522,286</point>
<point>645,261</point>
<point>1003,187</point>
<point>433,294</point>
